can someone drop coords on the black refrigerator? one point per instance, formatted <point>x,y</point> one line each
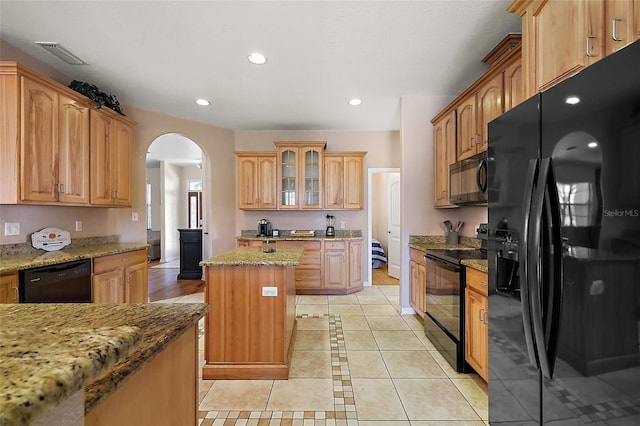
<point>564,251</point>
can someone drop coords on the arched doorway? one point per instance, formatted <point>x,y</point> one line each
<point>175,185</point>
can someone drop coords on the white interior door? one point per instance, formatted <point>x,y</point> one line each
<point>393,229</point>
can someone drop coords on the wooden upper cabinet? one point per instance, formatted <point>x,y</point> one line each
<point>444,153</point>
<point>39,145</point>
<point>299,174</point>
<point>568,37</point>
<point>562,37</point>
<point>343,180</point>
<point>311,169</point>
<point>622,24</point>
<point>490,106</point>
<point>467,128</point>
<point>514,91</point>
<point>73,151</point>
<point>111,141</point>
<point>55,146</point>
<point>256,180</point>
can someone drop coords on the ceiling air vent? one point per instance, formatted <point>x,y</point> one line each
<point>62,53</point>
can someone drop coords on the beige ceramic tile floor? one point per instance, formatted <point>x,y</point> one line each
<point>355,361</point>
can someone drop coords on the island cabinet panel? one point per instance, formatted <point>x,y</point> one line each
<point>163,392</point>
<point>248,333</point>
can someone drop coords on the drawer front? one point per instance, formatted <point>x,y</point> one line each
<point>310,260</point>
<point>477,280</point>
<point>109,263</point>
<point>334,245</point>
<point>308,278</point>
<point>417,256</point>
<point>307,245</point>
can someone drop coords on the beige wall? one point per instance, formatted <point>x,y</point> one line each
<point>419,217</point>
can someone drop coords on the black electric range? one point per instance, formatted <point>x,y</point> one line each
<point>445,302</point>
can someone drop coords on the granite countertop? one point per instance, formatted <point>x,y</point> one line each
<point>253,256</point>
<point>481,265</point>
<point>14,262</point>
<point>437,242</point>
<point>52,350</point>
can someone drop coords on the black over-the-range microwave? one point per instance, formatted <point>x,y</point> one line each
<point>468,181</point>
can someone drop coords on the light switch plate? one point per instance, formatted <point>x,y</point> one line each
<point>78,225</point>
<point>134,216</point>
<point>11,228</point>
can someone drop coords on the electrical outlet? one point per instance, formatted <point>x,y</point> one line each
<point>269,291</point>
<point>134,216</point>
<point>343,224</point>
<point>78,225</point>
<point>11,228</point>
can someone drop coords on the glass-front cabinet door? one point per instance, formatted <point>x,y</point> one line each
<point>300,166</point>
<point>288,180</point>
<point>311,178</point>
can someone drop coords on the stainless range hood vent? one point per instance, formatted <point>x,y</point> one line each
<point>62,53</point>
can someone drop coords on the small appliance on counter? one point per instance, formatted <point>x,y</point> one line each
<point>264,228</point>
<point>331,230</point>
<point>50,239</point>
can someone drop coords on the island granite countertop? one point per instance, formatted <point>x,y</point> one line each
<point>254,256</point>
<point>53,350</point>
<point>14,262</point>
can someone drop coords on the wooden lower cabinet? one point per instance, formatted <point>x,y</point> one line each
<point>477,322</point>
<point>120,278</point>
<point>308,274</point>
<point>9,288</point>
<point>417,281</point>
<point>163,392</point>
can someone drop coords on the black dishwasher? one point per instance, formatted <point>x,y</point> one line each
<point>68,282</point>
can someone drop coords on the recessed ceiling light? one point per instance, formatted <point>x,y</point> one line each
<point>355,102</point>
<point>572,100</point>
<point>257,58</point>
<point>592,145</point>
<point>203,102</point>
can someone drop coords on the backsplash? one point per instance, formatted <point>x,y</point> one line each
<point>317,233</point>
<point>439,239</point>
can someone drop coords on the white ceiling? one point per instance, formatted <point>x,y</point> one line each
<point>162,55</point>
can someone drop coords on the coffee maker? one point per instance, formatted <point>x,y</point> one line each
<point>330,231</point>
<point>264,228</point>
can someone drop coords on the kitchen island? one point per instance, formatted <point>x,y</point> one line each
<point>249,331</point>
<point>123,364</point>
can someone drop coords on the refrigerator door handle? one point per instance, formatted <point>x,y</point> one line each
<point>524,263</point>
<point>535,268</point>
<point>553,260</point>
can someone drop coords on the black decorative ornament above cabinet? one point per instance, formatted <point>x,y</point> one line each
<point>93,93</point>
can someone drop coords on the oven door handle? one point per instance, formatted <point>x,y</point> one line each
<point>443,263</point>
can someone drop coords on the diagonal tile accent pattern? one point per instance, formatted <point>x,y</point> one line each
<point>356,361</point>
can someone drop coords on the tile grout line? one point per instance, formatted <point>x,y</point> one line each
<point>344,413</point>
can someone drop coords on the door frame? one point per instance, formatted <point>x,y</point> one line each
<point>370,172</point>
